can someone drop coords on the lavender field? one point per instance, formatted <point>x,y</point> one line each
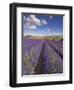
<point>42,56</point>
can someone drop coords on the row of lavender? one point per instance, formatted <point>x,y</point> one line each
<point>47,56</point>
<point>57,46</point>
<point>53,61</point>
<point>31,50</point>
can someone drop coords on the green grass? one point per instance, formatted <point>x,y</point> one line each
<point>54,38</point>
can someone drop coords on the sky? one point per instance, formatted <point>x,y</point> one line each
<point>42,25</point>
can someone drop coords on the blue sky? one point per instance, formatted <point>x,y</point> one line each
<point>42,25</point>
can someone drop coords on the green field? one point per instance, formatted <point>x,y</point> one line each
<point>45,37</point>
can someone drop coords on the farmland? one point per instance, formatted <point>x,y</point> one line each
<point>42,56</point>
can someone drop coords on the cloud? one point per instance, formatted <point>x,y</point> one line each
<point>58,34</point>
<point>32,27</point>
<point>55,33</point>
<point>34,20</point>
<point>51,17</point>
<point>44,21</point>
<point>31,22</point>
<point>49,30</point>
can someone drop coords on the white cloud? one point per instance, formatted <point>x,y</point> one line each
<point>49,30</point>
<point>55,34</point>
<point>32,27</point>
<point>31,22</point>
<point>35,20</point>
<point>58,34</point>
<point>51,17</point>
<point>44,21</point>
